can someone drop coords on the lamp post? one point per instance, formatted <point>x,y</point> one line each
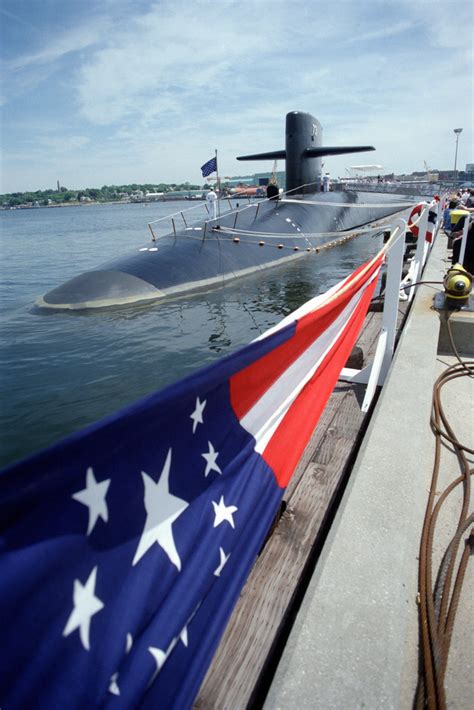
<point>457,131</point>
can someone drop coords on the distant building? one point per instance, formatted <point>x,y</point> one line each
<point>256,180</point>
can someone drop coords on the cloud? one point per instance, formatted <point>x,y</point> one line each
<point>74,40</point>
<point>172,58</point>
<point>154,86</point>
<point>12,16</point>
<point>382,32</point>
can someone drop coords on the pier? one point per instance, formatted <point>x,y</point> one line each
<point>329,616</point>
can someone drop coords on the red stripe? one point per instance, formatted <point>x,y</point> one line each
<point>251,383</point>
<point>290,438</point>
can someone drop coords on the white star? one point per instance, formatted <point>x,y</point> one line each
<point>86,604</point>
<point>196,416</point>
<point>93,495</point>
<point>224,559</point>
<point>113,687</point>
<point>184,636</point>
<point>113,684</point>
<point>223,512</point>
<point>161,656</point>
<point>210,458</point>
<point>162,508</point>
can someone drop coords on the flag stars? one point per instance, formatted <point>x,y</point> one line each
<point>162,508</point>
<point>86,604</point>
<point>210,459</point>
<point>161,656</point>
<point>224,513</point>
<point>222,562</point>
<point>196,416</point>
<point>93,496</point>
<point>113,685</point>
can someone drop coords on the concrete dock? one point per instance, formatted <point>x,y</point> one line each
<point>355,640</point>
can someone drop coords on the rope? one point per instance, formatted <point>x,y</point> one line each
<point>439,603</point>
<point>302,235</point>
<point>321,247</point>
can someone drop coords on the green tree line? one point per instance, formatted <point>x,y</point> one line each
<point>106,193</point>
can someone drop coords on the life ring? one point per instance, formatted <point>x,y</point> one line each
<point>415,214</point>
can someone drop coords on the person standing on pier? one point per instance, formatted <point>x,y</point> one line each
<point>326,182</point>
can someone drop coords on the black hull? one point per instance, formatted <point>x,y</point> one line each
<point>209,254</point>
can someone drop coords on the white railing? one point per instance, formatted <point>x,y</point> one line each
<point>236,210</point>
<point>462,250</point>
<point>375,372</point>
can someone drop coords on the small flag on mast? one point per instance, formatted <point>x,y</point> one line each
<point>209,167</point>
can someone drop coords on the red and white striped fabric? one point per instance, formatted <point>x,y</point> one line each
<point>280,397</point>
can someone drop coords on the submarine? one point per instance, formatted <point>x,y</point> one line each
<point>240,241</point>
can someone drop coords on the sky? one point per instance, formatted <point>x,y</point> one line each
<point>103,92</point>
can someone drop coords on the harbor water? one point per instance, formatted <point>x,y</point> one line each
<point>62,371</point>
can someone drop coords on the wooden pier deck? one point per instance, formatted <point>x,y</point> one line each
<point>251,646</point>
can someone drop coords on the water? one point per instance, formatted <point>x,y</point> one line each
<point>61,371</point>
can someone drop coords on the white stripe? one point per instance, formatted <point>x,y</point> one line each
<point>265,416</point>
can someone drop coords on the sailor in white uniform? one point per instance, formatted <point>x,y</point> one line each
<point>211,198</point>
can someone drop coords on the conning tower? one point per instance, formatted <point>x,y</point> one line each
<point>303,152</point>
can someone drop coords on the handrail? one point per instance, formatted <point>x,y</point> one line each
<point>251,205</point>
<point>173,214</point>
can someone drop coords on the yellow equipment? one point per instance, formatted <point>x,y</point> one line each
<point>457,286</point>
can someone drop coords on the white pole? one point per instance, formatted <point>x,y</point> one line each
<point>464,240</point>
<point>218,186</point>
<point>392,294</point>
<point>420,250</point>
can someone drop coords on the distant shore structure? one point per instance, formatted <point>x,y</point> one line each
<point>62,197</point>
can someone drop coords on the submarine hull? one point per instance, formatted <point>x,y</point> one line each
<point>211,253</point>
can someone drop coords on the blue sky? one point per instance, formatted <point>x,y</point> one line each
<point>119,91</point>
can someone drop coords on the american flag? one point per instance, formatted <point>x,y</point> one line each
<point>209,167</point>
<point>124,547</point>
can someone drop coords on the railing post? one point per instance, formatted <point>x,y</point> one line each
<point>462,251</point>
<point>153,238</point>
<point>185,223</point>
<point>392,294</point>
<point>419,257</point>
<point>439,218</point>
<point>374,373</point>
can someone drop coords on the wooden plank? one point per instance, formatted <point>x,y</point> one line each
<point>259,620</point>
<point>265,601</point>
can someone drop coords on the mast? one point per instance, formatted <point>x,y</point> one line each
<point>218,180</point>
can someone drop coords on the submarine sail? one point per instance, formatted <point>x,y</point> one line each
<point>303,152</point>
